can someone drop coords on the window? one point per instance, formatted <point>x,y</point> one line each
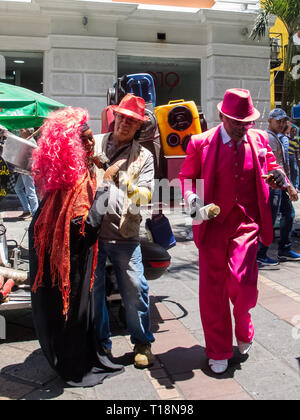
<point>174,78</point>
<point>278,85</point>
<point>24,69</point>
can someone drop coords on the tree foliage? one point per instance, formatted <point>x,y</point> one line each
<point>288,11</point>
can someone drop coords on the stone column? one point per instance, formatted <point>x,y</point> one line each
<point>79,70</point>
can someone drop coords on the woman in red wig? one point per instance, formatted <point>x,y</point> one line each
<point>63,249</point>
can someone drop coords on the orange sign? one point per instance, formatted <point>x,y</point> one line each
<point>200,4</point>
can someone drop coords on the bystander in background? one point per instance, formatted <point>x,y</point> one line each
<point>24,187</point>
<point>280,199</point>
<point>294,156</point>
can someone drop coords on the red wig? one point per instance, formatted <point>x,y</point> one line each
<point>59,161</point>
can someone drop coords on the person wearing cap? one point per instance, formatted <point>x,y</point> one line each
<point>119,235</point>
<point>280,199</point>
<point>235,164</point>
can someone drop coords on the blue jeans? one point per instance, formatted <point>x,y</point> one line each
<point>280,202</point>
<point>26,193</point>
<point>294,169</point>
<point>127,262</point>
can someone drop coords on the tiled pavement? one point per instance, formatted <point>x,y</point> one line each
<point>180,372</point>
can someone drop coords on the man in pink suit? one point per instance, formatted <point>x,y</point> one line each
<point>235,164</point>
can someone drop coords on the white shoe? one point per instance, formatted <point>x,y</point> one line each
<point>244,347</point>
<point>218,366</point>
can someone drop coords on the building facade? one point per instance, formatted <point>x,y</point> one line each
<point>279,40</point>
<point>73,51</point>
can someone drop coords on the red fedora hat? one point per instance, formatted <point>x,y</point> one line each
<point>237,104</point>
<point>131,106</point>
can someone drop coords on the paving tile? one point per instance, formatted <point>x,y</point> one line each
<point>123,388</point>
<point>57,390</point>
<point>166,394</point>
<point>171,326</point>
<point>33,367</point>
<point>272,379</point>
<point>27,346</point>
<point>183,359</point>
<point>12,213</point>
<point>11,355</point>
<point>242,396</point>
<point>181,309</point>
<point>168,341</point>
<point>265,292</point>
<point>273,337</point>
<point>156,373</point>
<point>201,386</point>
<point>286,275</point>
<point>162,383</point>
<point>120,346</point>
<point>12,390</point>
<point>283,306</point>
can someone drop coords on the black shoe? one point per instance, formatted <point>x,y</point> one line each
<point>108,353</point>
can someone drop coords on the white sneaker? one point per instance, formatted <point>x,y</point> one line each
<point>244,347</point>
<point>218,366</point>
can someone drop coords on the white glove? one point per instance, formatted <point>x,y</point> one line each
<point>199,212</point>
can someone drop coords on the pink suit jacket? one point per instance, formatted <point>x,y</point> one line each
<point>200,164</point>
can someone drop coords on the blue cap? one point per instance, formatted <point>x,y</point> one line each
<point>277,114</point>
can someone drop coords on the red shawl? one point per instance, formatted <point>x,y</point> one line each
<point>52,233</point>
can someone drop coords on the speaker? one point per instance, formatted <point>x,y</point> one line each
<point>141,84</point>
<point>177,122</point>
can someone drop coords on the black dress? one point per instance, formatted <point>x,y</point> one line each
<point>70,345</point>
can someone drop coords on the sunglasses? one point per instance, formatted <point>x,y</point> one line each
<point>128,119</point>
<point>237,124</point>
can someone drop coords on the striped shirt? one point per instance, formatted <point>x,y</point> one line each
<point>293,145</point>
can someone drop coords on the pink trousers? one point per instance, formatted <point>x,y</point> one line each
<point>228,272</point>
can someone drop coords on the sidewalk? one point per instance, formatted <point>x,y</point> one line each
<point>270,371</point>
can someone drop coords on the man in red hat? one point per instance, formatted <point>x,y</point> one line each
<point>236,165</point>
<point>119,235</point>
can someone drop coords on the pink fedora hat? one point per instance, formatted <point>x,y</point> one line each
<point>131,106</point>
<point>237,104</point>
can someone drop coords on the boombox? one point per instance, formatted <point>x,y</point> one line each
<point>139,84</point>
<point>142,84</point>
<point>177,122</point>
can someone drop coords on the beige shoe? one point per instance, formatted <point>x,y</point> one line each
<point>143,356</point>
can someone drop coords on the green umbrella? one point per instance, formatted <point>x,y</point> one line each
<point>23,108</point>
